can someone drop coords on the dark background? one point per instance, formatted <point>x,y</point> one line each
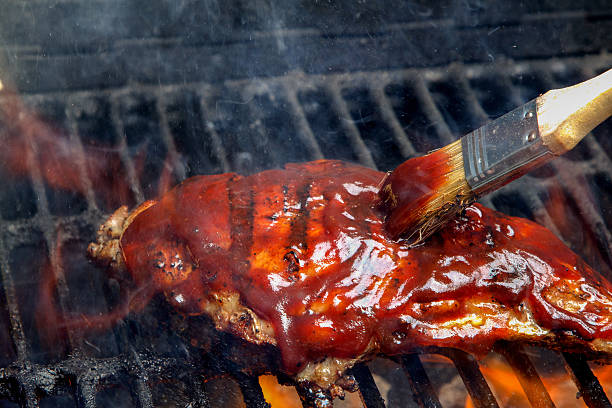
<point>65,45</point>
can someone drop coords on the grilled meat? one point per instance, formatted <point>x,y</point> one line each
<point>298,258</point>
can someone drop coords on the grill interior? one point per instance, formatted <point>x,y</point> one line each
<point>300,97</point>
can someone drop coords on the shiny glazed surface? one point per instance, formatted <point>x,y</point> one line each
<point>306,250</point>
<point>412,184</point>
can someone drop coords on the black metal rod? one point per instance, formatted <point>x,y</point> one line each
<point>301,123</point>
<point>423,392</point>
<point>367,387</point>
<point>342,110</point>
<point>588,385</point>
<point>199,396</point>
<point>474,381</point>
<point>251,391</point>
<point>86,393</point>
<point>389,117</point>
<point>314,397</point>
<point>527,375</point>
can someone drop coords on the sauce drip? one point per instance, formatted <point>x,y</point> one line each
<point>307,251</point>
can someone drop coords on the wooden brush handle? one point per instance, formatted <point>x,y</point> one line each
<point>567,115</point>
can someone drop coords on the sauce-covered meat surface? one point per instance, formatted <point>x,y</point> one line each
<point>305,249</point>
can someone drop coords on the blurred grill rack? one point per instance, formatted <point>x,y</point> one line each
<point>375,118</point>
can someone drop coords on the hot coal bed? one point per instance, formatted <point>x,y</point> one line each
<point>203,87</point>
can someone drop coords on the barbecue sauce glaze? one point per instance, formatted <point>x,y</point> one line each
<point>306,250</point>
<point>410,188</point>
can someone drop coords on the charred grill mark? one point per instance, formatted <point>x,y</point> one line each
<point>241,199</point>
<point>299,224</point>
<point>330,209</point>
<point>293,265</point>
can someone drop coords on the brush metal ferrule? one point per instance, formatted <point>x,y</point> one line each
<point>503,149</point>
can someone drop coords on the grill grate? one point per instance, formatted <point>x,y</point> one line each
<point>529,378</point>
<point>204,128</point>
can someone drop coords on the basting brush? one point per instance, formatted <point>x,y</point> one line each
<point>423,193</point>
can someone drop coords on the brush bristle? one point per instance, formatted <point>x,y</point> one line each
<point>423,193</point>
<point>455,184</point>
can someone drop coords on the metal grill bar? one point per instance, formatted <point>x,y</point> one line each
<point>588,385</point>
<point>51,235</point>
<point>527,375</point>
<point>477,386</point>
<point>29,394</point>
<point>200,399</point>
<point>17,331</point>
<point>130,168</point>
<point>218,149</point>
<point>44,221</point>
<point>251,390</point>
<point>362,152</point>
<point>467,367</point>
<point>143,391</point>
<point>303,128</point>
<point>160,108</point>
<point>424,393</point>
<point>86,395</point>
<point>367,387</point>
<point>432,112</point>
<point>589,211</point>
<point>403,143</point>
<point>261,137</point>
<point>80,159</point>
<point>476,110</point>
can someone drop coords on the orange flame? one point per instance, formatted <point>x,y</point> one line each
<point>508,391</point>
<point>500,376</point>
<point>278,395</point>
<point>503,383</point>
